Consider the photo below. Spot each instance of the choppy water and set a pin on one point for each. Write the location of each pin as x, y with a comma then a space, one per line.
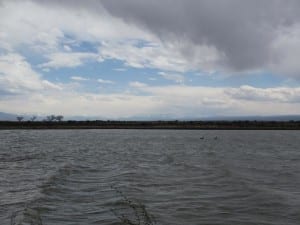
65, 177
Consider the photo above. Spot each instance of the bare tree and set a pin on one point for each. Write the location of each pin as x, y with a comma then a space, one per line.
59, 118
33, 118
51, 118
20, 118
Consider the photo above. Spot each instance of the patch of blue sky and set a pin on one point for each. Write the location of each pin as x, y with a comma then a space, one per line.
70, 43
82, 46
92, 47
31, 55
3, 51
108, 70
121, 74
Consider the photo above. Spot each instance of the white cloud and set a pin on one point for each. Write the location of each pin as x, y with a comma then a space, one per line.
79, 78
43, 26
101, 81
44, 29
159, 56
280, 94
137, 84
67, 48
175, 101
177, 78
17, 76
120, 69
52, 86
207, 101
55, 32
68, 103
47, 70
67, 59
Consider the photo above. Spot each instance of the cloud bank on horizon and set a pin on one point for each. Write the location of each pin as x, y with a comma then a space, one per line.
138, 58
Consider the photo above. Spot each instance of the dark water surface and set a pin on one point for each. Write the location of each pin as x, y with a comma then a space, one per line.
241, 177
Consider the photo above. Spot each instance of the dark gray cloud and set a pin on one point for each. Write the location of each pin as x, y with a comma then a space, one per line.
248, 34
90, 5
241, 30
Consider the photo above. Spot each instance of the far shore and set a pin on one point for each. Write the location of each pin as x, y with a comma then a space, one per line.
172, 125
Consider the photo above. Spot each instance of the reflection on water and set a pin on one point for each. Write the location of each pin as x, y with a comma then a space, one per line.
182, 177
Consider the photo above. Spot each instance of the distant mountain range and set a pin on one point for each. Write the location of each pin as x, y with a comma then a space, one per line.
13, 117
7, 116
257, 118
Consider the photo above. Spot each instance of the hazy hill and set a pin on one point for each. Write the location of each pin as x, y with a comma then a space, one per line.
7, 116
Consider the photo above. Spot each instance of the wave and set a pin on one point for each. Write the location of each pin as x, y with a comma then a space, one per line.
26, 216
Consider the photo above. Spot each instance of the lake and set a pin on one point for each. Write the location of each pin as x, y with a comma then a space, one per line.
85, 177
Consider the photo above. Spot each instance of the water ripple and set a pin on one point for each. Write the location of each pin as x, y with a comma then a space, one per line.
243, 177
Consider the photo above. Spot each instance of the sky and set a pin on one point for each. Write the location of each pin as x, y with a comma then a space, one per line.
150, 59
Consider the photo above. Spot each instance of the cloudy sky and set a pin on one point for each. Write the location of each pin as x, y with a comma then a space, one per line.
158, 58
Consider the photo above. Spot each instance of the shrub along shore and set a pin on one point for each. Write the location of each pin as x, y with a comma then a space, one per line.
184, 125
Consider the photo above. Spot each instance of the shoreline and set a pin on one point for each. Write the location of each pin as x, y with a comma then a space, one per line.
151, 125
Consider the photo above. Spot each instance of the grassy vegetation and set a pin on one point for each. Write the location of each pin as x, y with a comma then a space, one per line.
205, 125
